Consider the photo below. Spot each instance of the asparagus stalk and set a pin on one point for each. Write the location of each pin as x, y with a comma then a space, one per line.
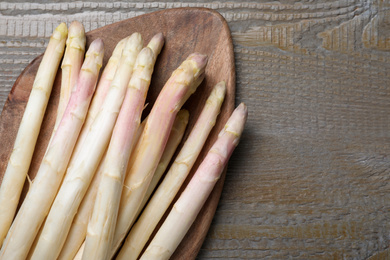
77, 236
197, 191
42, 192
30, 125
102, 223
174, 139
97, 101
101, 91
154, 138
74, 244
82, 168
71, 65
80, 221
78, 230
166, 192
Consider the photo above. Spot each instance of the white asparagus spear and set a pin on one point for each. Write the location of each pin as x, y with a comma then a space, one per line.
70, 67
97, 100
78, 229
197, 191
80, 170
42, 192
174, 139
101, 226
75, 241
167, 190
153, 140
101, 91
80, 221
20, 159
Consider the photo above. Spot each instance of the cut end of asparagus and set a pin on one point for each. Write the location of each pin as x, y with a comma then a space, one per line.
61, 32
156, 43
76, 36
95, 53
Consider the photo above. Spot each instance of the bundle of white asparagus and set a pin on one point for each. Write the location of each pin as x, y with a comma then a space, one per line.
98, 186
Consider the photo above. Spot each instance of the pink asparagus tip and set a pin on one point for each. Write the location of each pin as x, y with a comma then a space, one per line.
95, 53
158, 38
237, 120
243, 109
156, 43
97, 45
200, 59
75, 29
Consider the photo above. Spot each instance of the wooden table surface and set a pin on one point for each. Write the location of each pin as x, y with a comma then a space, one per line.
310, 178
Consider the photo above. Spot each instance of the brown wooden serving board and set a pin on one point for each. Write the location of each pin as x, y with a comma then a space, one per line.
186, 30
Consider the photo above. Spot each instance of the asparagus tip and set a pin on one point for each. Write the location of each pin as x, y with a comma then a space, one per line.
156, 43
62, 29
239, 115
200, 59
76, 38
97, 45
243, 109
134, 42
135, 37
95, 50
221, 83
145, 57
159, 36
117, 52
220, 89
75, 29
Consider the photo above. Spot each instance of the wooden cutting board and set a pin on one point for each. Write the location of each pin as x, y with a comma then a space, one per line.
186, 30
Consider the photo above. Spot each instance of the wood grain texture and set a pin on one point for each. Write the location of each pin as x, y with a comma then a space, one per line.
310, 178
